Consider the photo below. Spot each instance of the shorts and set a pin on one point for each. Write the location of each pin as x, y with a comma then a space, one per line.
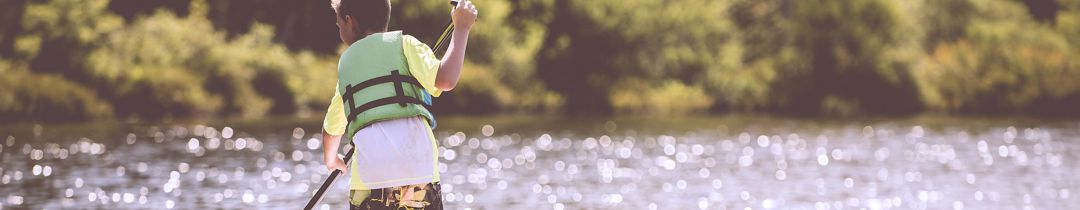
419, 196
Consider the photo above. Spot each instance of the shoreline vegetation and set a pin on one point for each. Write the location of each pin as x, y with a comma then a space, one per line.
72, 60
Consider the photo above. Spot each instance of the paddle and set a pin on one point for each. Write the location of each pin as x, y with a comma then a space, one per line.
440, 45
326, 184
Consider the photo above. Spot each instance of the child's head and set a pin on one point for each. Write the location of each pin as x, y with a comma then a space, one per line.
358, 18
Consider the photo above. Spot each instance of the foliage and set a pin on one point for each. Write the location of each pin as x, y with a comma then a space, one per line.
1006, 64
147, 59
26, 95
163, 65
666, 98
591, 45
837, 53
194, 70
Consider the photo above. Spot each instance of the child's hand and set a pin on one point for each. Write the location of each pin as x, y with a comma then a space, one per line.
464, 14
335, 163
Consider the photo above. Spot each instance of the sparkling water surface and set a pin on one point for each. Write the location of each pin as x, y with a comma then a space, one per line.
518, 163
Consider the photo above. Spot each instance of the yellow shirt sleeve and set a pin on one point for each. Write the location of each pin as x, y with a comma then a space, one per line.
422, 63
334, 123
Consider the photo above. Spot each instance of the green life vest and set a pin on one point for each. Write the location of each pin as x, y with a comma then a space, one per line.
376, 85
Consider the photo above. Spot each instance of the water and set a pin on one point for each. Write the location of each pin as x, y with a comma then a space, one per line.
531, 162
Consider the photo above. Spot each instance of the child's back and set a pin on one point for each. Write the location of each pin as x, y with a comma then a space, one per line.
385, 84
387, 110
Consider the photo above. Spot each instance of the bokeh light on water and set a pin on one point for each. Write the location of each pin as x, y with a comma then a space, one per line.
484, 166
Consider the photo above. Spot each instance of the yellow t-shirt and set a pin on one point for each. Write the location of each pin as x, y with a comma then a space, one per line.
422, 64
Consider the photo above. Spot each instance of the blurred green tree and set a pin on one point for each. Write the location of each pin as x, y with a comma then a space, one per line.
1007, 63
848, 57
593, 48
155, 59
25, 95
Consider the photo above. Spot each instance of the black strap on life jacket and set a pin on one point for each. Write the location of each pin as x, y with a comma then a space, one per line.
399, 98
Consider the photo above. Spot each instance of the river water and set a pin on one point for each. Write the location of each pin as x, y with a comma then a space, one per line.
543, 162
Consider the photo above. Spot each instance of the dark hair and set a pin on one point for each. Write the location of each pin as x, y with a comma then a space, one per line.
370, 15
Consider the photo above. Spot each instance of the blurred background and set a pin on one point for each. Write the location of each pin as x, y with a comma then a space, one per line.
563, 104
152, 60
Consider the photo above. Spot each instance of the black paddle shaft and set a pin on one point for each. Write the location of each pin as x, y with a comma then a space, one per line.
326, 184
441, 44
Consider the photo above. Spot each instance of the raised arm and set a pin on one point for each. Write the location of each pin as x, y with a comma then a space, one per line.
463, 15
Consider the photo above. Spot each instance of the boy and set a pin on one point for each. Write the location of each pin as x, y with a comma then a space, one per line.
385, 84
